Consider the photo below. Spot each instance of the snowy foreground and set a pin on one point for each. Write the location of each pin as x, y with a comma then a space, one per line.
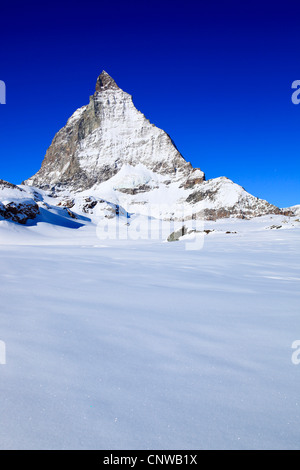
147, 345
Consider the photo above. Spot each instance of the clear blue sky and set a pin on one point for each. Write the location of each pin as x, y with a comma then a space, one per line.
215, 75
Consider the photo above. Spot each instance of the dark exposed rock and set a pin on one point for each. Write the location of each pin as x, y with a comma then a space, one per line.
198, 196
193, 179
143, 188
175, 236
69, 203
71, 214
104, 82
19, 212
287, 212
89, 205
7, 185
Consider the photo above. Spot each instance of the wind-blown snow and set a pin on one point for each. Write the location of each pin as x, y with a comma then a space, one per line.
117, 344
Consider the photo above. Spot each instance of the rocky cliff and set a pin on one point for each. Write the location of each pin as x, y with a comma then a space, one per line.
102, 137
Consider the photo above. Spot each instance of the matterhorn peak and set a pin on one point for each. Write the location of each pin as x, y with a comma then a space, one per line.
102, 137
105, 82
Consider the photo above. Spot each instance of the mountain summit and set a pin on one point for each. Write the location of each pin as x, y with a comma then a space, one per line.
105, 82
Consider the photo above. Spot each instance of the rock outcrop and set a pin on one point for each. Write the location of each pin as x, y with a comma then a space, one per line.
295, 210
15, 205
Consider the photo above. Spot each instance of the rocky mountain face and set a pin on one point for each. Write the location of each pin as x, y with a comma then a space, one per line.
102, 137
108, 151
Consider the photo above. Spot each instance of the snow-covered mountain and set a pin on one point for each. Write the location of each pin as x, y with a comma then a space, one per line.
103, 136
109, 151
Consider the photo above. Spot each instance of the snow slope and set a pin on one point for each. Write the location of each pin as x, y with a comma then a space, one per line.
140, 344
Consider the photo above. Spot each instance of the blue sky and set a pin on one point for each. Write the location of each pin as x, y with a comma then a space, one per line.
215, 75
